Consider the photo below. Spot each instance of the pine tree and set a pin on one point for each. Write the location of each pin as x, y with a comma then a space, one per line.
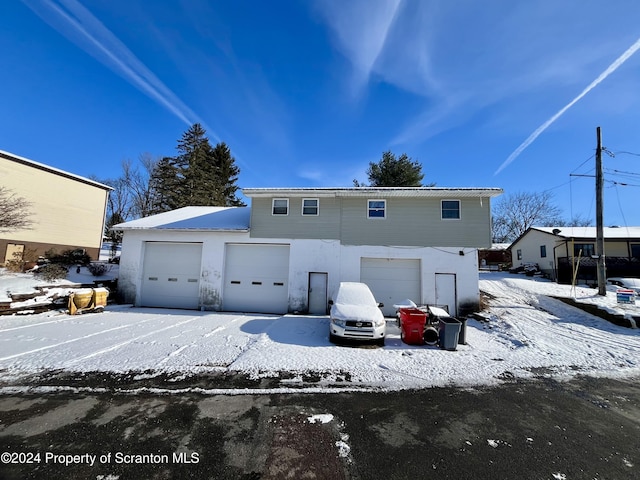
227, 174
164, 184
395, 172
198, 175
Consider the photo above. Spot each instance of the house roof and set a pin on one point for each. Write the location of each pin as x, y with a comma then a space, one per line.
590, 232
193, 218
439, 192
41, 166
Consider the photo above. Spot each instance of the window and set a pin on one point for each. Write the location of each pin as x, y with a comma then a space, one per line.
543, 251
635, 250
588, 250
310, 206
451, 209
280, 206
519, 253
376, 209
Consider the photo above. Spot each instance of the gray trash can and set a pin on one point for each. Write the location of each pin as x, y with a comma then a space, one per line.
449, 330
462, 337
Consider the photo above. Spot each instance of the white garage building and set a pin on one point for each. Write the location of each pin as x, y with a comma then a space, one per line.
288, 256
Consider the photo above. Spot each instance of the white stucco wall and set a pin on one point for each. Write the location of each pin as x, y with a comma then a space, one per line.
342, 263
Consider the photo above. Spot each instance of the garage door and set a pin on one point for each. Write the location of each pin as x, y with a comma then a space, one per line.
256, 278
171, 275
392, 280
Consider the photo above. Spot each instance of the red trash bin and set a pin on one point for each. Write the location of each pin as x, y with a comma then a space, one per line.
412, 321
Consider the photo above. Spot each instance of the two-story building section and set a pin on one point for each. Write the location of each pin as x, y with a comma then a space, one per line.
292, 247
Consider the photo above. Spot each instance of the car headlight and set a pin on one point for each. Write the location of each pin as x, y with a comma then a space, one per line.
340, 323
379, 323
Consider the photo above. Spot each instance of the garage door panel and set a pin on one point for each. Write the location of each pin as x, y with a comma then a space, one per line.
171, 275
256, 278
392, 280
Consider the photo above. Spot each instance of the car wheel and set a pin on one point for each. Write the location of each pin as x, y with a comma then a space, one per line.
333, 338
380, 342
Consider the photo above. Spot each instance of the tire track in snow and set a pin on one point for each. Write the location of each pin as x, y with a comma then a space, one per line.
60, 320
571, 325
127, 342
182, 348
90, 335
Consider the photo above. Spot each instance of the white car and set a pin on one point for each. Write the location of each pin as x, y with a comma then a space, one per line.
625, 282
356, 315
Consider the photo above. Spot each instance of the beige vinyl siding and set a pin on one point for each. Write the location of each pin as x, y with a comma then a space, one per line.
612, 248
66, 211
416, 222
325, 225
616, 249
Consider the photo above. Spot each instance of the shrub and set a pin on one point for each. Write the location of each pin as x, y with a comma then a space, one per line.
52, 271
98, 269
69, 257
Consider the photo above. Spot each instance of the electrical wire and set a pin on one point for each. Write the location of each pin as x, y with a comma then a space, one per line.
628, 153
620, 207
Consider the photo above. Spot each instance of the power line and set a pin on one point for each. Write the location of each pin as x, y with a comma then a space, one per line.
621, 172
628, 153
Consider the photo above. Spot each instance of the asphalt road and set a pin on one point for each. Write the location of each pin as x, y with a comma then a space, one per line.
584, 429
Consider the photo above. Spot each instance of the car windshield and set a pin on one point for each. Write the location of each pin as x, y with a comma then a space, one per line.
354, 294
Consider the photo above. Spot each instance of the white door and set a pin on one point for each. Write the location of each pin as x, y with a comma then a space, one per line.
318, 293
171, 275
256, 278
446, 292
392, 280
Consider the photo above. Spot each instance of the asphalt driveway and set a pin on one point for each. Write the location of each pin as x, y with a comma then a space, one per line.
584, 429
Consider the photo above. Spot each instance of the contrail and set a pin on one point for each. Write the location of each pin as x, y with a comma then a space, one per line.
91, 35
610, 69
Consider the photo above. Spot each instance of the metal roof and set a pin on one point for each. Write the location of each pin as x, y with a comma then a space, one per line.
193, 219
590, 232
434, 192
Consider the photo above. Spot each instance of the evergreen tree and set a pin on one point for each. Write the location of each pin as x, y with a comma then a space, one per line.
199, 175
227, 174
392, 171
164, 184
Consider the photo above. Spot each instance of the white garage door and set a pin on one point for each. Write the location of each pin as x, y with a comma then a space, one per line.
171, 275
391, 280
256, 278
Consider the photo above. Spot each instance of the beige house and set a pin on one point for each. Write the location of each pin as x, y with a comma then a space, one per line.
68, 211
561, 252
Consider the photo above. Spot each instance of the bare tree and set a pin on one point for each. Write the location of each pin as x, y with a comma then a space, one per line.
15, 213
515, 213
576, 221
139, 186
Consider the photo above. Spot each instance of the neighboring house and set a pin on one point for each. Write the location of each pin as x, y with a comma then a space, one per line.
293, 246
496, 257
68, 211
556, 251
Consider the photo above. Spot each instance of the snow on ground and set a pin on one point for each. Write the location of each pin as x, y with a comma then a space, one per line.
528, 334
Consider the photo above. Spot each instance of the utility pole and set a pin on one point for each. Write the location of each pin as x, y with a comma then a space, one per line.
601, 268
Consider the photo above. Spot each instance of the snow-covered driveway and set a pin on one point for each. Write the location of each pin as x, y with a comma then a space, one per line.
528, 334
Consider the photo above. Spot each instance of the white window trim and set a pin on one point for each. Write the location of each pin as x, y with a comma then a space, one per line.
384, 208
459, 209
273, 206
317, 200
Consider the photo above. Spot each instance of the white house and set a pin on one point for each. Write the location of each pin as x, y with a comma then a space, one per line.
292, 247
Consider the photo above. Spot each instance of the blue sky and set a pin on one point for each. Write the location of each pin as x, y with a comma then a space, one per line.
307, 93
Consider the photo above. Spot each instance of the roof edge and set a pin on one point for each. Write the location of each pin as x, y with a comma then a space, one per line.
364, 191
41, 166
